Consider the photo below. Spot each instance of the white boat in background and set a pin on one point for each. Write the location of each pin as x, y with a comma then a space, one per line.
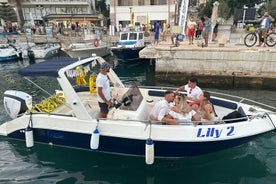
41, 51
9, 51
70, 117
85, 47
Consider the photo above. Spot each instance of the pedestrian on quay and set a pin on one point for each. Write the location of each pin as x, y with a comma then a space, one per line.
265, 22
206, 30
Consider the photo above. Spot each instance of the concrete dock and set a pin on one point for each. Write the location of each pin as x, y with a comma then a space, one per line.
228, 64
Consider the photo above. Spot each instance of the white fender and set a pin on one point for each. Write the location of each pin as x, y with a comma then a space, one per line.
149, 151
95, 139
29, 137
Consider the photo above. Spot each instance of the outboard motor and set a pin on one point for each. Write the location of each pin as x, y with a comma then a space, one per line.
31, 55
16, 102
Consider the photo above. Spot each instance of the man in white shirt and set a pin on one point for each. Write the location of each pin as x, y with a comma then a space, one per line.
160, 111
103, 90
193, 93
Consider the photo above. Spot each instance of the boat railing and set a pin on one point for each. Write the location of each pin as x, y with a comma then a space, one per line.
235, 98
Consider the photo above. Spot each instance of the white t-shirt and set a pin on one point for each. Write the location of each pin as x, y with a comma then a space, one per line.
103, 81
160, 109
193, 92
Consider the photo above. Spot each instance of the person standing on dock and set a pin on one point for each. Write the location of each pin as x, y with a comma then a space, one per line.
157, 33
265, 20
206, 30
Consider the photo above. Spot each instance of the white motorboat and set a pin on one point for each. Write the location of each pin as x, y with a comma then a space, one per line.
69, 117
10, 52
86, 47
41, 51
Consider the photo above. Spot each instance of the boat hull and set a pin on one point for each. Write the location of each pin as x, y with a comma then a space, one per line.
127, 54
87, 52
133, 147
9, 58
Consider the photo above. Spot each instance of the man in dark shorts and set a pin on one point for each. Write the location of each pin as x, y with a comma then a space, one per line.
103, 90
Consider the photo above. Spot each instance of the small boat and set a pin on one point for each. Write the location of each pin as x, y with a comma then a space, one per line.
86, 47
10, 52
70, 116
41, 51
129, 45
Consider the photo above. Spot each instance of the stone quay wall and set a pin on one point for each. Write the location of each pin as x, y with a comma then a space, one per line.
230, 66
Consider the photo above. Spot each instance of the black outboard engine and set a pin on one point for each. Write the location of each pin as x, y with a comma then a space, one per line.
31, 54
16, 102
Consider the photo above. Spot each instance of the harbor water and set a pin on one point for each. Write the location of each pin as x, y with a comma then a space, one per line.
250, 163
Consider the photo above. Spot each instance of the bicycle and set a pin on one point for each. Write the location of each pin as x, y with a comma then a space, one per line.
251, 38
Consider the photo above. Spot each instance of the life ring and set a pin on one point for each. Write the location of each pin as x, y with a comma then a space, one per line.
96, 42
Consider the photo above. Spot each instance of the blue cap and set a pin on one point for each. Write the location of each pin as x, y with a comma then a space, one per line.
105, 66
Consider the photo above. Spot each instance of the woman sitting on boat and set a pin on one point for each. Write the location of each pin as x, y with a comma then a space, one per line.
206, 111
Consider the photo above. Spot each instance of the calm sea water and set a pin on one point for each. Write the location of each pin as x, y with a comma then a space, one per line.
251, 163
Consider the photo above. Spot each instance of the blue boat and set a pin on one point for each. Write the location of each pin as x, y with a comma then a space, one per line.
129, 46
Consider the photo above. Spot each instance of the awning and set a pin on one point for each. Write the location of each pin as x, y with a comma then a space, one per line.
47, 68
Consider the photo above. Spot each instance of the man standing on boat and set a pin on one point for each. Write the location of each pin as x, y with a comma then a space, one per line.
103, 90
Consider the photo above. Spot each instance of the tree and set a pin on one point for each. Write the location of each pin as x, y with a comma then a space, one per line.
7, 13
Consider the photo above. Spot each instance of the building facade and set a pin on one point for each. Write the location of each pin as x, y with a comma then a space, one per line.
122, 12
81, 11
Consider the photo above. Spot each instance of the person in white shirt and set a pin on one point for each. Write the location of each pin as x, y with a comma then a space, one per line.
160, 111
103, 90
265, 21
193, 93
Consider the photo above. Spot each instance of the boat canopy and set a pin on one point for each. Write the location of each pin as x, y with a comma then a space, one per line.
47, 68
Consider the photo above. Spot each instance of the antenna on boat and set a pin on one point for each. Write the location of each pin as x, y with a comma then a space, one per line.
149, 148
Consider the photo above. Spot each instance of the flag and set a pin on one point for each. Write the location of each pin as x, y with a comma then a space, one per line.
147, 23
183, 14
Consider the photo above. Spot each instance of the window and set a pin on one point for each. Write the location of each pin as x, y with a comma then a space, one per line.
125, 2
141, 2
158, 2
124, 36
141, 35
133, 36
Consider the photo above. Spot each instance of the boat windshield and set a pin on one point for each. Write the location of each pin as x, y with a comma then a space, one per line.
124, 36
132, 36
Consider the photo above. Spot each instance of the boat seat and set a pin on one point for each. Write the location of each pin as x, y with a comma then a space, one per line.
235, 116
156, 93
222, 103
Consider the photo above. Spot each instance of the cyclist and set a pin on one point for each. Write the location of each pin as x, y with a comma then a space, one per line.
265, 21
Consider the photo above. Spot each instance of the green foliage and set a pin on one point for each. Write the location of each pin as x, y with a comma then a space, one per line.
270, 6
7, 13
227, 7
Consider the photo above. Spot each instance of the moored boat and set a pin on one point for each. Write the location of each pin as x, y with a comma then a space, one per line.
129, 45
70, 116
41, 51
10, 52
